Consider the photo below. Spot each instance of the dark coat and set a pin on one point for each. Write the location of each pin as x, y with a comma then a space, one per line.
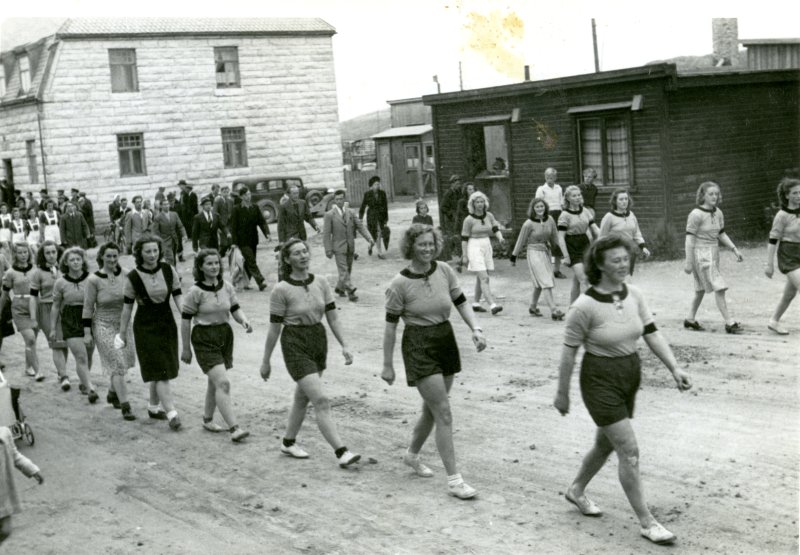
74, 230
292, 216
244, 225
204, 233
378, 207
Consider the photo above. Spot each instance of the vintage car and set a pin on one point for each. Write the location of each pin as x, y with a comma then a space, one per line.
267, 191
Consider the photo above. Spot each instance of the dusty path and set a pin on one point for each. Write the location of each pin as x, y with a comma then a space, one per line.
720, 463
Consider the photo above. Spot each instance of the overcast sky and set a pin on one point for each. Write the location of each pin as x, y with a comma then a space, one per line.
387, 50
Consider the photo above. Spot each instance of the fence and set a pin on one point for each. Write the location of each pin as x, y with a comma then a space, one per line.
356, 183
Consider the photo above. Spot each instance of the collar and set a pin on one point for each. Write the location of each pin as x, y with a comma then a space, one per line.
23, 269
338, 210
211, 288
102, 274
481, 218
151, 272
300, 282
578, 211
621, 214
788, 210
710, 211
407, 273
537, 219
607, 297
74, 280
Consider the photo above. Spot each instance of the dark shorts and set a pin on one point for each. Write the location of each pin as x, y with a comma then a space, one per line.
577, 245
429, 350
71, 321
213, 346
556, 249
788, 257
305, 349
609, 386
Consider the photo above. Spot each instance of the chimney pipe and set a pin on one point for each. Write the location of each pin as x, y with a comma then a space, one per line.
527, 73
725, 39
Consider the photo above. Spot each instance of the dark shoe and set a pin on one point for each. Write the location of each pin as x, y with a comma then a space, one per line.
534, 312
262, 286
736, 327
557, 314
180, 258
382, 256
175, 423
559, 275
340, 292
478, 308
93, 397
693, 325
369, 250
157, 415
82, 389
127, 413
496, 310
351, 295
112, 399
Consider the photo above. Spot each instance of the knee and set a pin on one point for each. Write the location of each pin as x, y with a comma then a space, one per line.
629, 454
224, 385
322, 404
442, 414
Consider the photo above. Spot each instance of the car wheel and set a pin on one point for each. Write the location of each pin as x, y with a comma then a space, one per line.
313, 198
270, 212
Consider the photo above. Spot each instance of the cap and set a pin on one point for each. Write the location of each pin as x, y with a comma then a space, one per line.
455, 177
207, 198
182, 182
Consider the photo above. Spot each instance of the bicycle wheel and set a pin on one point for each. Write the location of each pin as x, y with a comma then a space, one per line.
27, 433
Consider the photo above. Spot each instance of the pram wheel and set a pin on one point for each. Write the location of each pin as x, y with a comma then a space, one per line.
27, 434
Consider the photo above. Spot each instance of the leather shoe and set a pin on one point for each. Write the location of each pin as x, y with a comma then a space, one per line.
657, 534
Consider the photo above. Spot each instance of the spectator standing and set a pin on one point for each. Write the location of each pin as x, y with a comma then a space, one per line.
376, 206
223, 206
73, 227
205, 227
189, 207
137, 223
167, 225
246, 220
339, 237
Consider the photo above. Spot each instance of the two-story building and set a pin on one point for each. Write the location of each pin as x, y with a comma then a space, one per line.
127, 105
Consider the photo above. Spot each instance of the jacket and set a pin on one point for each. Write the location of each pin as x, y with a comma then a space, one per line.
74, 230
204, 233
339, 231
292, 216
244, 225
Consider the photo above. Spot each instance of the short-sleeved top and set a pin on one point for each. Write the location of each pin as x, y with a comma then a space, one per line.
70, 291
300, 302
208, 305
42, 282
706, 225
786, 226
18, 280
553, 196
622, 223
536, 232
154, 283
423, 299
104, 293
606, 324
475, 227
575, 222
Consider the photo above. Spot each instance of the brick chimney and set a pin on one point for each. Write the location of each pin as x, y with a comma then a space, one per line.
725, 36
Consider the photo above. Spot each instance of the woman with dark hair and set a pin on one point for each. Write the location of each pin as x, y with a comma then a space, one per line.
296, 307
5, 229
784, 237
50, 219
476, 246
69, 291
608, 320
622, 221
150, 285
19, 227
422, 295
539, 237
576, 229
17, 291
102, 308
43, 280
705, 230
422, 216
209, 302
34, 236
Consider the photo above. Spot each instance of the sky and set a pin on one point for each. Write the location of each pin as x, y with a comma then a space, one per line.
387, 50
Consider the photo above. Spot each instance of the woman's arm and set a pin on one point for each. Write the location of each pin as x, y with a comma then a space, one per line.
273, 334
564, 377
55, 310
689, 248
333, 323
186, 334
769, 269
726, 241
465, 310
33, 307
594, 231
389, 339
240, 317
562, 244
521, 241
662, 350
124, 320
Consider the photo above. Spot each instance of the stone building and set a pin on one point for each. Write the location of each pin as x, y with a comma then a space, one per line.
127, 105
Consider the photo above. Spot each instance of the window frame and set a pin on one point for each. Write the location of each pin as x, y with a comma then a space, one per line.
24, 75
229, 157
414, 167
33, 163
219, 57
132, 66
603, 172
128, 152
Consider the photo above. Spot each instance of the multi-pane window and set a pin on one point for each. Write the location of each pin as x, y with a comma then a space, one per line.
124, 77
234, 147
24, 74
429, 161
605, 145
226, 61
412, 157
33, 168
131, 154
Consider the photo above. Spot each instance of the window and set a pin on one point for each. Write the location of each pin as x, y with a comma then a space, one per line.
412, 157
131, 155
605, 145
429, 163
234, 147
486, 141
226, 60
123, 70
33, 168
24, 74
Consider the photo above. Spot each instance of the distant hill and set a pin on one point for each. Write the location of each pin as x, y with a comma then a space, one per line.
364, 126
705, 62
16, 31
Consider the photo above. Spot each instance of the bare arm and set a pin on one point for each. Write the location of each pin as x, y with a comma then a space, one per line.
726, 241
272, 339
769, 269
333, 323
562, 244
55, 310
240, 317
689, 248
565, 368
389, 339
124, 320
465, 310
662, 350
186, 334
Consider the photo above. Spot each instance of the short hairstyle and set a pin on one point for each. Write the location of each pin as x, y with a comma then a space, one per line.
701, 192
41, 262
374, 179
135, 197
339, 193
200, 258
615, 195
410, 236
567, 192
534, 202
48, 202
141, 242
786, 185
16, 209
590, 171
475, 196
35, 211
20, 245
420, 203
63, 265
286, 249
550, 171
595, 254
111, 245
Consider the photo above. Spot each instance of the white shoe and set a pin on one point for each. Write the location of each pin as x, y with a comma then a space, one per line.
294, 451
657, 534
212, 426
419, 468
462, 490
777, 328
348, 458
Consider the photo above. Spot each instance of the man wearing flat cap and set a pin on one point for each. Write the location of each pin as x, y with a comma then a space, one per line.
205, 227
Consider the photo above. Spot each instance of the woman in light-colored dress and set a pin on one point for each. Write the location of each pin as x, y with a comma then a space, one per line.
50, 220
16, 290
34, 237
784, 238
476, 246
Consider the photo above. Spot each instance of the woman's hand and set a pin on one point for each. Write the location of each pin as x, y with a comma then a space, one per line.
39, 478
565, 260
87, 340
739, 257
646, 252
247, 327
561, 403
687, 267
348, 356
186, 355
388, 374
52, 335
682, 379
478, 339
265, 370
769, 270
464, 259
119, 343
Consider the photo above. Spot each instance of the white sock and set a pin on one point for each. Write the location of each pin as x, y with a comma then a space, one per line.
411, 455
172, 414
154, 408
455, 479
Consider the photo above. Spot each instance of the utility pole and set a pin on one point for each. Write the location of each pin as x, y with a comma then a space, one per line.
460, 77
594, 43
438, 86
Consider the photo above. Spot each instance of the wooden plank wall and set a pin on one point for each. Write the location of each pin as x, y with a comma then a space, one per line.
356, 183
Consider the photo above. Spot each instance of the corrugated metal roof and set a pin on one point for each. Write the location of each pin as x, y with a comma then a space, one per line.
82, 27
407, 131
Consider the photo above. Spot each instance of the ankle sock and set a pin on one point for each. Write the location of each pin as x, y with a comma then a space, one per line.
172, 414
154, 408
207, 419
288, 442
455, 479
233, 428
340, 451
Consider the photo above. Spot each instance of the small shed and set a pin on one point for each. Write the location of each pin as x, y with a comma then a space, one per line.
408, 151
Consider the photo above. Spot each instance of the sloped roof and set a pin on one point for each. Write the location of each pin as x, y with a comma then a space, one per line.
38, 54
161, 26
407, 131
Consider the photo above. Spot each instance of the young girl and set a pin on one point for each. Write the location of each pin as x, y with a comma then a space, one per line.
576, 229
422, 216
9, 456
705, 230
49, 219
785, 239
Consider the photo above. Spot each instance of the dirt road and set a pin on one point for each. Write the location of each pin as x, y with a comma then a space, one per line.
720, 463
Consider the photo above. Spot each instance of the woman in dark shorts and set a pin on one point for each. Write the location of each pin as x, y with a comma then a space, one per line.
422, 295
576, 229
69, 291
785, 239
210, 302
296, 307
150, 285
16, 291
608, 320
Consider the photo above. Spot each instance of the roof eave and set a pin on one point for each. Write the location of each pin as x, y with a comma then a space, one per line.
188, 34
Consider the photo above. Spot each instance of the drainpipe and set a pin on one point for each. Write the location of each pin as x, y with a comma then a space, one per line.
41, 143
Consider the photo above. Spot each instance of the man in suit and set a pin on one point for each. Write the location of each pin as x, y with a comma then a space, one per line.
292, 217
168, 226
73, 228
87, 209
339, 236
188, 201
246, 220
377, 208
205, 227
223, 207
137, 223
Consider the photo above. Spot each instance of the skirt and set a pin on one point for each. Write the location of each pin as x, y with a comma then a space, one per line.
213, 346
5, 235
115, 361
577, 245
305, 349
156, 338
540, 267
43, 318
705, 269
21, 312
609, 386
72, 321
429, 350
479, 255
53, 233
788, 256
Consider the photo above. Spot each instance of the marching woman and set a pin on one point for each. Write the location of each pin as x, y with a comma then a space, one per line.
785, 239
539, 237
16, 290
5, 229
422, 295
210, 302
49, 219
576, 229
34, 237
150, 285
69, 292
705, 230
296, 307
19, 227
622, 221
102, 308
476, 246
42, 282
608, 320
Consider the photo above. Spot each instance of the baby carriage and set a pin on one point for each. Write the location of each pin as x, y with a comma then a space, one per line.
11, 414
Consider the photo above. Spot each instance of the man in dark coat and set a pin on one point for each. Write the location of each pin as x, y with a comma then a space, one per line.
246, 220
292, 217
377, 208
73, 227
223, 206
205, 227
188, 200
87, 209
